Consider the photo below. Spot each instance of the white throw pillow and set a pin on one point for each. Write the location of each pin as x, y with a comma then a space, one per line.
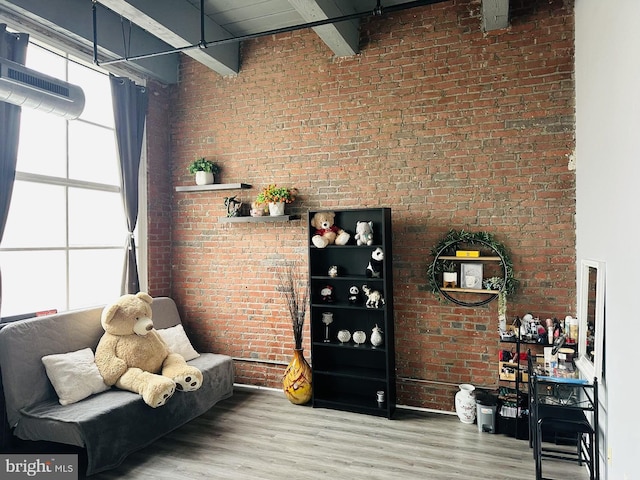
178, 342
74, 375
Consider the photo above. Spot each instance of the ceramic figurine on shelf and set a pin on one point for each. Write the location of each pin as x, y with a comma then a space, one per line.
333, 271
376, 336
374, 297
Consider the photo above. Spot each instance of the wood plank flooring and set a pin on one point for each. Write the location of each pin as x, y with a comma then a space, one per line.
259, 434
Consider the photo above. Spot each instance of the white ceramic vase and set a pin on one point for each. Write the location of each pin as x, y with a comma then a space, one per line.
204, 178
466, 403
276, 209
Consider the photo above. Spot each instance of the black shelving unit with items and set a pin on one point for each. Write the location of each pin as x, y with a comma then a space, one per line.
356, 373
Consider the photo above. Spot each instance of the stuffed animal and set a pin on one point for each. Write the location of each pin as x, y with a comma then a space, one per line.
354, 294
364, 233
374, 268
132, 356
327, 294
326, 232
374, 297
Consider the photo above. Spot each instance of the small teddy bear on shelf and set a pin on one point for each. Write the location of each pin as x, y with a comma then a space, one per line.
326, 294
326, 232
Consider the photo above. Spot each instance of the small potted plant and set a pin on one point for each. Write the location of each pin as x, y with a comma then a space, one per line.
276, 197
449, 275
205, 170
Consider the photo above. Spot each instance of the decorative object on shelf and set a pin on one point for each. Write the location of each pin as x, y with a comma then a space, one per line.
497, 284
326, 294
465, 401
471, 275
376, 336
467, 253
374, 268
204, 170
380, 398
374, 297
233, 206
327, 233
327, 319
359, 337
276, 198
344, 336
296, 381
257, 210
333, 271
354, 295
449, 275
364, 233
276, 209
450, 244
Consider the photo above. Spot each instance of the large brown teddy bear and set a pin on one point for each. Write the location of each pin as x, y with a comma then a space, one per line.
326, 232
132, 356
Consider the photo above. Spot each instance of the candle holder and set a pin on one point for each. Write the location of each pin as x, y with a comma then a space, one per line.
327, 319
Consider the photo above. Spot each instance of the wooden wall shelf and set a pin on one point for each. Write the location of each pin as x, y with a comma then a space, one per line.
213, 186
263, 219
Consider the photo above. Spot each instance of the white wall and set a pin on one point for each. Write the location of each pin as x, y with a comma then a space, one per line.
608, 203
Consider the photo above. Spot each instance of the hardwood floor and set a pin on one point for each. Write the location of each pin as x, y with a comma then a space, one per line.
258, 434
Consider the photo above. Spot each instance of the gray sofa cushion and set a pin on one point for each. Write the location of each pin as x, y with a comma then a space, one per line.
24, 343
113, 424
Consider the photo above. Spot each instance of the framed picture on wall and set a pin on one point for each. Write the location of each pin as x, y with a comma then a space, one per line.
471, 275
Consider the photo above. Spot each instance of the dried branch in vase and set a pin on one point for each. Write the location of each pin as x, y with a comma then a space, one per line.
295, 290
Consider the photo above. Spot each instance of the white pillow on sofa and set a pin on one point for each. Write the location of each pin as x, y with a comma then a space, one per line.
74, 375
178, 342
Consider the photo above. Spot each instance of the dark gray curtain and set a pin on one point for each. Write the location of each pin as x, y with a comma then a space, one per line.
12, 47
130, 111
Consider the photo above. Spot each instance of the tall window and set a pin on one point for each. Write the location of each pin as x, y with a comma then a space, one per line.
63, 246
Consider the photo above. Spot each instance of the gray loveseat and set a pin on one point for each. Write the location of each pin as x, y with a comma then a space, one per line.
109, 425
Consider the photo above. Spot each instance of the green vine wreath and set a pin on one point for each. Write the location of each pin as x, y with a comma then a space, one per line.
447, 246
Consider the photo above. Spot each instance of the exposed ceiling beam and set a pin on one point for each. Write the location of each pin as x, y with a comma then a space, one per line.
342, 38
495, 14
70, 21
180, 27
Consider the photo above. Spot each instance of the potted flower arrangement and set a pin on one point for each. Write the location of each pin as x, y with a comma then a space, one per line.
276, 197
205, 170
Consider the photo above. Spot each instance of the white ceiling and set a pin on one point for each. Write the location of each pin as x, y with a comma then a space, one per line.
150, 33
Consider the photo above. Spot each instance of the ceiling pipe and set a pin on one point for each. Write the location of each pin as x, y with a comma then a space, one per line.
377, 11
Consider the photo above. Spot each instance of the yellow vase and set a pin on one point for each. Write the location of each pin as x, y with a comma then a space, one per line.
296, 381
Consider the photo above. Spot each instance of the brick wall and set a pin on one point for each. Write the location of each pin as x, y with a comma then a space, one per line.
159, 186
448, 126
